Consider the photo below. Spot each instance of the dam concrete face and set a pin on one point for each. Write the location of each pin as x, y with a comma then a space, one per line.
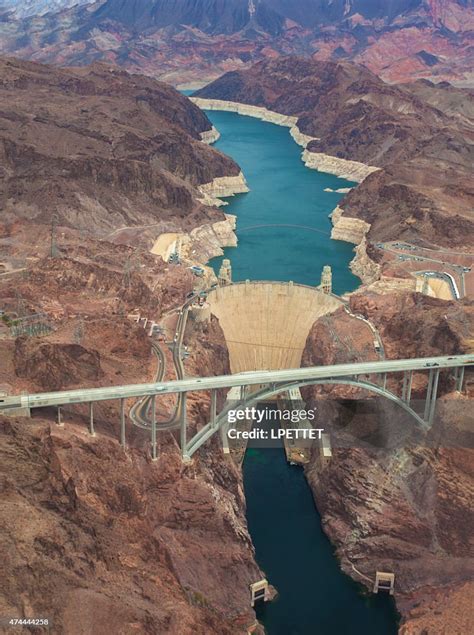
266, 324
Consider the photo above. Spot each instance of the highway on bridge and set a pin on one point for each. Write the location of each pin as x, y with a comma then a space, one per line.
89, 395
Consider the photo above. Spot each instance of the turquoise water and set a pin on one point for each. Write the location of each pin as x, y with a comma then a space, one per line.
315, 597
283, 230
282, 223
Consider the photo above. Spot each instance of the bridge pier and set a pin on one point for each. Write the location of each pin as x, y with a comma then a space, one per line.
434, 393
431, 394
429, 388
122, 423
459, 377
91, 419
153, 429
60, 421
182, 428
213, 412
406, 389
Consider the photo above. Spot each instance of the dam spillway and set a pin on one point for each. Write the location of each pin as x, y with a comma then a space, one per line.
266, 324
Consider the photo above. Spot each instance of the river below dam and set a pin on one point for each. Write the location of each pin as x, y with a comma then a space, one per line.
283, 234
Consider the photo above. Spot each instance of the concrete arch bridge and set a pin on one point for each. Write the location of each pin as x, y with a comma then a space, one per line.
265, 384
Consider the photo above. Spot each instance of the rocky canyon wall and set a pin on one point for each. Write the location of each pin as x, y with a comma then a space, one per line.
105, 539
388, 505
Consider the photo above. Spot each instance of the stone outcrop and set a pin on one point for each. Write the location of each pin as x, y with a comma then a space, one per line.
56, 366
364, 267
301, 139
345, 169
222, 187
354, 230
117, 543
210, 136
103, 150
208, 241
351, 230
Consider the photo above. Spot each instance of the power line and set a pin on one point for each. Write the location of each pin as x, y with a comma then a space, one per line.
284, 225
293, 348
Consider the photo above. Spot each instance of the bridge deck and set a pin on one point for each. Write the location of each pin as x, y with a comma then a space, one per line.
86, 395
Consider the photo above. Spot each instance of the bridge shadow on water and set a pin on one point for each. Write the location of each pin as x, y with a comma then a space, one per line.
315, 596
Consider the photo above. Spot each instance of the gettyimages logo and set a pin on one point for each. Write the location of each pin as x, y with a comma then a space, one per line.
259, 415
373, 423
269, 426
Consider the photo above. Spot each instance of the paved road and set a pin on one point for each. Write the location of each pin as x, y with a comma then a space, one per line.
87, 395
446, 277
411, 253
139, 411
375, 333
140, 414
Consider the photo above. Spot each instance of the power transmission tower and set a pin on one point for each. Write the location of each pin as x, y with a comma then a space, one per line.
54, 223
127, 269
79, 332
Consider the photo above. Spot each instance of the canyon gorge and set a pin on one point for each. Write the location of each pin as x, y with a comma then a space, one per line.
97, 164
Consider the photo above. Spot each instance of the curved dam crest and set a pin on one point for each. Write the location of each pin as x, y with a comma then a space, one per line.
266, 324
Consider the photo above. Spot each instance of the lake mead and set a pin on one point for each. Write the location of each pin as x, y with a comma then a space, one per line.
283, 224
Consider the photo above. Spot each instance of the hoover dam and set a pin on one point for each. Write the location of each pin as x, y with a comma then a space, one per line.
266, 323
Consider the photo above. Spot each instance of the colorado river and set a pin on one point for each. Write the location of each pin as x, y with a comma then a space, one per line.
283, 230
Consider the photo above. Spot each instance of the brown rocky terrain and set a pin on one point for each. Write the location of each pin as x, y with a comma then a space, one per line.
189, 41
119, 542
98, 538
101, 149
406, 508
415, 325
421, 139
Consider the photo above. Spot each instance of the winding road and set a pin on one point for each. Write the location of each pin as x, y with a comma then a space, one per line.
140, 413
